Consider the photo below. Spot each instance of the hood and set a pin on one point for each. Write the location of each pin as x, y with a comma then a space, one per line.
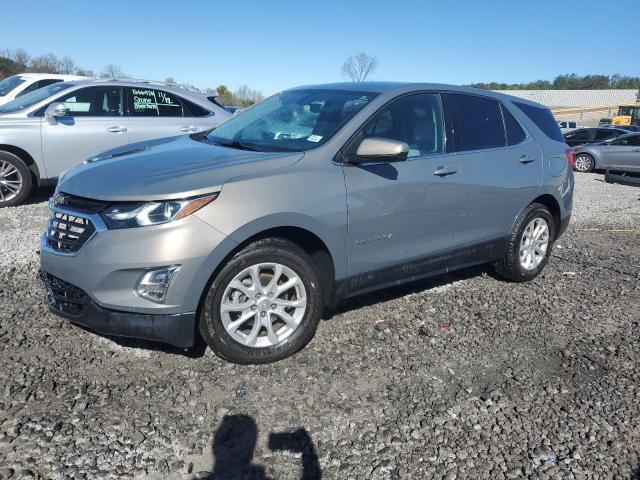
168, 168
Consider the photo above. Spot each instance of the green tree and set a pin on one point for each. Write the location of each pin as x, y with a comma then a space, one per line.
8, 67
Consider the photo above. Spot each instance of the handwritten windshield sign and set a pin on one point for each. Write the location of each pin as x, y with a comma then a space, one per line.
155, 102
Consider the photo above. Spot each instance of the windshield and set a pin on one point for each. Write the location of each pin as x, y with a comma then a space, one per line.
30, 99
629, 110
295, 120
9, 84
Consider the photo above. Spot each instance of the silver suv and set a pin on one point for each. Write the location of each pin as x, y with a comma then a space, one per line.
246, 234
47, 131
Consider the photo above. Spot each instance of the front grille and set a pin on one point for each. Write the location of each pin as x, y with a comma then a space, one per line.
67, 232
81, 204
64, 297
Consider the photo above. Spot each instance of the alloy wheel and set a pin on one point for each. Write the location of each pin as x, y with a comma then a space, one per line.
583, 163
10, 181
263, 305
534, 243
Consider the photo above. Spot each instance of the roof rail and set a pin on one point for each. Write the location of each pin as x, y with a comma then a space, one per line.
189, 88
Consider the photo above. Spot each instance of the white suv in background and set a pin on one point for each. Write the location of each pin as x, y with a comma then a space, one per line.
49, 130
18, 85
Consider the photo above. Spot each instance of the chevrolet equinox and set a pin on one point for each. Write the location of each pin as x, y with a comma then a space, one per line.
245, 234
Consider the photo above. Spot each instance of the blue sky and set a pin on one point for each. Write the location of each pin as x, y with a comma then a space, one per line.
274, 45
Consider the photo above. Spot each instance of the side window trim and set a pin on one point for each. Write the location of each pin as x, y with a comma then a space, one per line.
356, 138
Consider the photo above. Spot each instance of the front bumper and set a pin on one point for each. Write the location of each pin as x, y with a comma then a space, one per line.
74, 304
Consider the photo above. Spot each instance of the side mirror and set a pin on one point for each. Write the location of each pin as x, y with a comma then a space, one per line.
377, 149
56, 109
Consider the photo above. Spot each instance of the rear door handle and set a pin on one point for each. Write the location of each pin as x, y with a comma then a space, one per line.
117, 129
526, 159
444, 171
188, 128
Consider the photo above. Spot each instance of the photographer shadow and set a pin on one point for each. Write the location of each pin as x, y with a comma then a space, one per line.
234, 444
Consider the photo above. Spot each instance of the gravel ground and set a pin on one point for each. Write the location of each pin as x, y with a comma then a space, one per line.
465, 376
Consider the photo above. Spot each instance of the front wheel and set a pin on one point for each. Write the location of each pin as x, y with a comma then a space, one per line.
529, 246
264, 305
15, 180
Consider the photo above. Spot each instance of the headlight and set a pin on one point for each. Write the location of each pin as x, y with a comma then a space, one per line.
129, 215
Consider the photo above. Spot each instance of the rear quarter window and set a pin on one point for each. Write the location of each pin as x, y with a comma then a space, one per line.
515, 134
194, 110
543, 118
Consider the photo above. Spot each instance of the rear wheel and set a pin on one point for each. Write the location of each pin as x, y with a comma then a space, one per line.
15, 180
264, 305
530, 245
584, 162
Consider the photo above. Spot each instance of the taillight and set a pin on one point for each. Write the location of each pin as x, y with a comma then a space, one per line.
571, 157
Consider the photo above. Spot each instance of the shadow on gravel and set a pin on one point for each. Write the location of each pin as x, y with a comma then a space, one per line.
39, 195
197, 351
392, 293
233, 448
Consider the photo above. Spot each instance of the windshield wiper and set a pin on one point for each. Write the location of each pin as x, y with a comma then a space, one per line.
238, 145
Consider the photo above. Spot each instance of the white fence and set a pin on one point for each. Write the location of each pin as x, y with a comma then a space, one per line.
576, 98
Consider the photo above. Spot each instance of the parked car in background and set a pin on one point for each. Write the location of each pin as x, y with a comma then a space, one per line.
568, 126
19, 85
628, 128
623, 151
246, 235
47, 131
584, 136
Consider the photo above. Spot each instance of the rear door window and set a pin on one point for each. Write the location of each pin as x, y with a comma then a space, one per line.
543, 118
149, 102
480, 123
94, 102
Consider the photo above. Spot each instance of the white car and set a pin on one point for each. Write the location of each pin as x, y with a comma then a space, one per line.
568, 126
18, 85
53, 128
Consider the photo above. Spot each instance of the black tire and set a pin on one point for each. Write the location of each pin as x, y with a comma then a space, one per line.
24, 175
267, 250
587, 158
510, 267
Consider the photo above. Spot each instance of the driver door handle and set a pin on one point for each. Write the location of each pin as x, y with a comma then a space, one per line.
117, 129
444, 171
526, 159
188, 128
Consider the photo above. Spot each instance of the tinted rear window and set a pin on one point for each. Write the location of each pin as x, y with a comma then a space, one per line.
544, 120
515, 134
480, 122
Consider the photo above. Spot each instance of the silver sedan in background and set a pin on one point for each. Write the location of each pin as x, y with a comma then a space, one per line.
623, 151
